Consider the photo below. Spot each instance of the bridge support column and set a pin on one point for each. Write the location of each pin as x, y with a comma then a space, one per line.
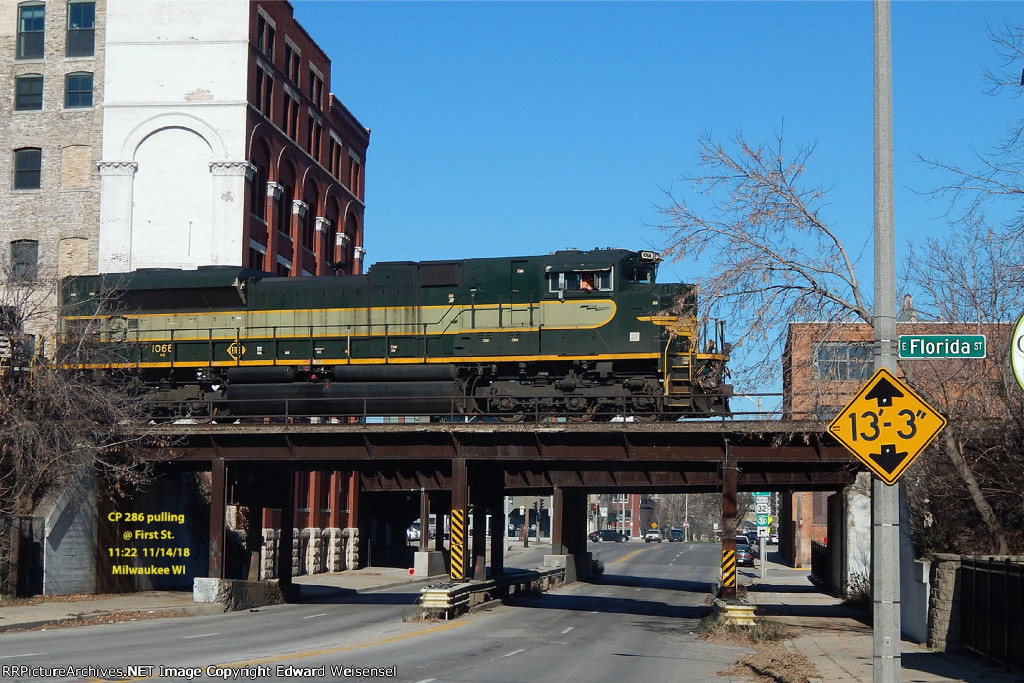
460, 501
558, 519
478, 493
569, 533
254, 541
496, 506
424, 521
730, 483
284, 547
218, 501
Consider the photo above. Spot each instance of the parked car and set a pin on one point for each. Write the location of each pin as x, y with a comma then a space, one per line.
744, 554
413, 533
611, 535
773, 539
652, 536
676, 535
751, 537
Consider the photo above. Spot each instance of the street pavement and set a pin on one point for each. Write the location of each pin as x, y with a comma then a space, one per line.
833, 636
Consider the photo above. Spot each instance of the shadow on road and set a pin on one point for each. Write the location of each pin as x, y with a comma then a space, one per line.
662, 584
610, 605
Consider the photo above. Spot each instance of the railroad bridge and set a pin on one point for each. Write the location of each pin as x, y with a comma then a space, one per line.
468, 468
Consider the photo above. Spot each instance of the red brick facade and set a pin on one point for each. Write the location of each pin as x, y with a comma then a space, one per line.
305, 201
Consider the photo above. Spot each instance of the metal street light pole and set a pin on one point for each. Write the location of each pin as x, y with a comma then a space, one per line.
885, 566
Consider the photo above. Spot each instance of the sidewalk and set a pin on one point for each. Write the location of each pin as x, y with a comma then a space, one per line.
837, 639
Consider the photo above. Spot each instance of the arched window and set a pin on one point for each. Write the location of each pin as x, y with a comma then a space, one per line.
78, 90
28, 164
258, 193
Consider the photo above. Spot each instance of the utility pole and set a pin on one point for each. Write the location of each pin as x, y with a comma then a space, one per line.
885, 530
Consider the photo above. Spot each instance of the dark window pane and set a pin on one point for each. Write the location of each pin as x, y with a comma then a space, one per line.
78, 91
31, 19
27, 165
24, 258
28, 92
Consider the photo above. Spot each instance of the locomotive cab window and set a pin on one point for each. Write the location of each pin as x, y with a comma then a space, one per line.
581, 281
638, 273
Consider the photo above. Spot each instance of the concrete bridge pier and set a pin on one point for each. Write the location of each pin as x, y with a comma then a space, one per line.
569, 533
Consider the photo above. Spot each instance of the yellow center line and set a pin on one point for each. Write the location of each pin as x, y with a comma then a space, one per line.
308, 653
626, 557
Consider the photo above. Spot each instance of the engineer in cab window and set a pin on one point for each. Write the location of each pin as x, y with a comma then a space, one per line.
587, 283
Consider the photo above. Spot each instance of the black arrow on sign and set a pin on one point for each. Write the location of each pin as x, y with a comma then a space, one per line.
889, 459
884, 392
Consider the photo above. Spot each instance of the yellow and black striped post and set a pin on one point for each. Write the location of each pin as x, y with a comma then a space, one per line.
458, 545
728, 569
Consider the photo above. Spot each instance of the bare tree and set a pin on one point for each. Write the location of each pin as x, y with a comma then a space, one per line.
973, 275
773, 257
775, 260
998, 173
57, 423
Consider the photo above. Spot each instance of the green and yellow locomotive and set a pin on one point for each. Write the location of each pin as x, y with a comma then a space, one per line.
573, 333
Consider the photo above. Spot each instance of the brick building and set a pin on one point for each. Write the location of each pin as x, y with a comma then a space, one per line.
174, 134
52, 60
825, 364
230, 147
181, 133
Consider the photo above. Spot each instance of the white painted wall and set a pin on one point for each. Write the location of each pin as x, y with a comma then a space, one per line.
174, 103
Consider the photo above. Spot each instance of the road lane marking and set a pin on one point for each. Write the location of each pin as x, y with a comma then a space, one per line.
31, 654
204, 635
427, 680
626, 557
566, 630
314, 616
515, 652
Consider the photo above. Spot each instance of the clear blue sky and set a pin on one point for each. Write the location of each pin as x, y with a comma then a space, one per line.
506, 128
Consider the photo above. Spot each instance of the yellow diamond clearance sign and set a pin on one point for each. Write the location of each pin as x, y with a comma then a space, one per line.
887, 425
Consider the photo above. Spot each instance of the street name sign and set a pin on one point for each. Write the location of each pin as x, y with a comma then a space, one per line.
920, 346
887, 425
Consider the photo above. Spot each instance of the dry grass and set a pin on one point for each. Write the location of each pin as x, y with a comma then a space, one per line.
772, 661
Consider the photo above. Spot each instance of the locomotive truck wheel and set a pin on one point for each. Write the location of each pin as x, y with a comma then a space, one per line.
586, 416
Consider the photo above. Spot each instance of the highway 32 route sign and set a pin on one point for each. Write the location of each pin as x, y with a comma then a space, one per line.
886, 425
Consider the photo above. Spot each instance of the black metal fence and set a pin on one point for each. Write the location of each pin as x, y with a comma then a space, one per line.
821, 573
992, 608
